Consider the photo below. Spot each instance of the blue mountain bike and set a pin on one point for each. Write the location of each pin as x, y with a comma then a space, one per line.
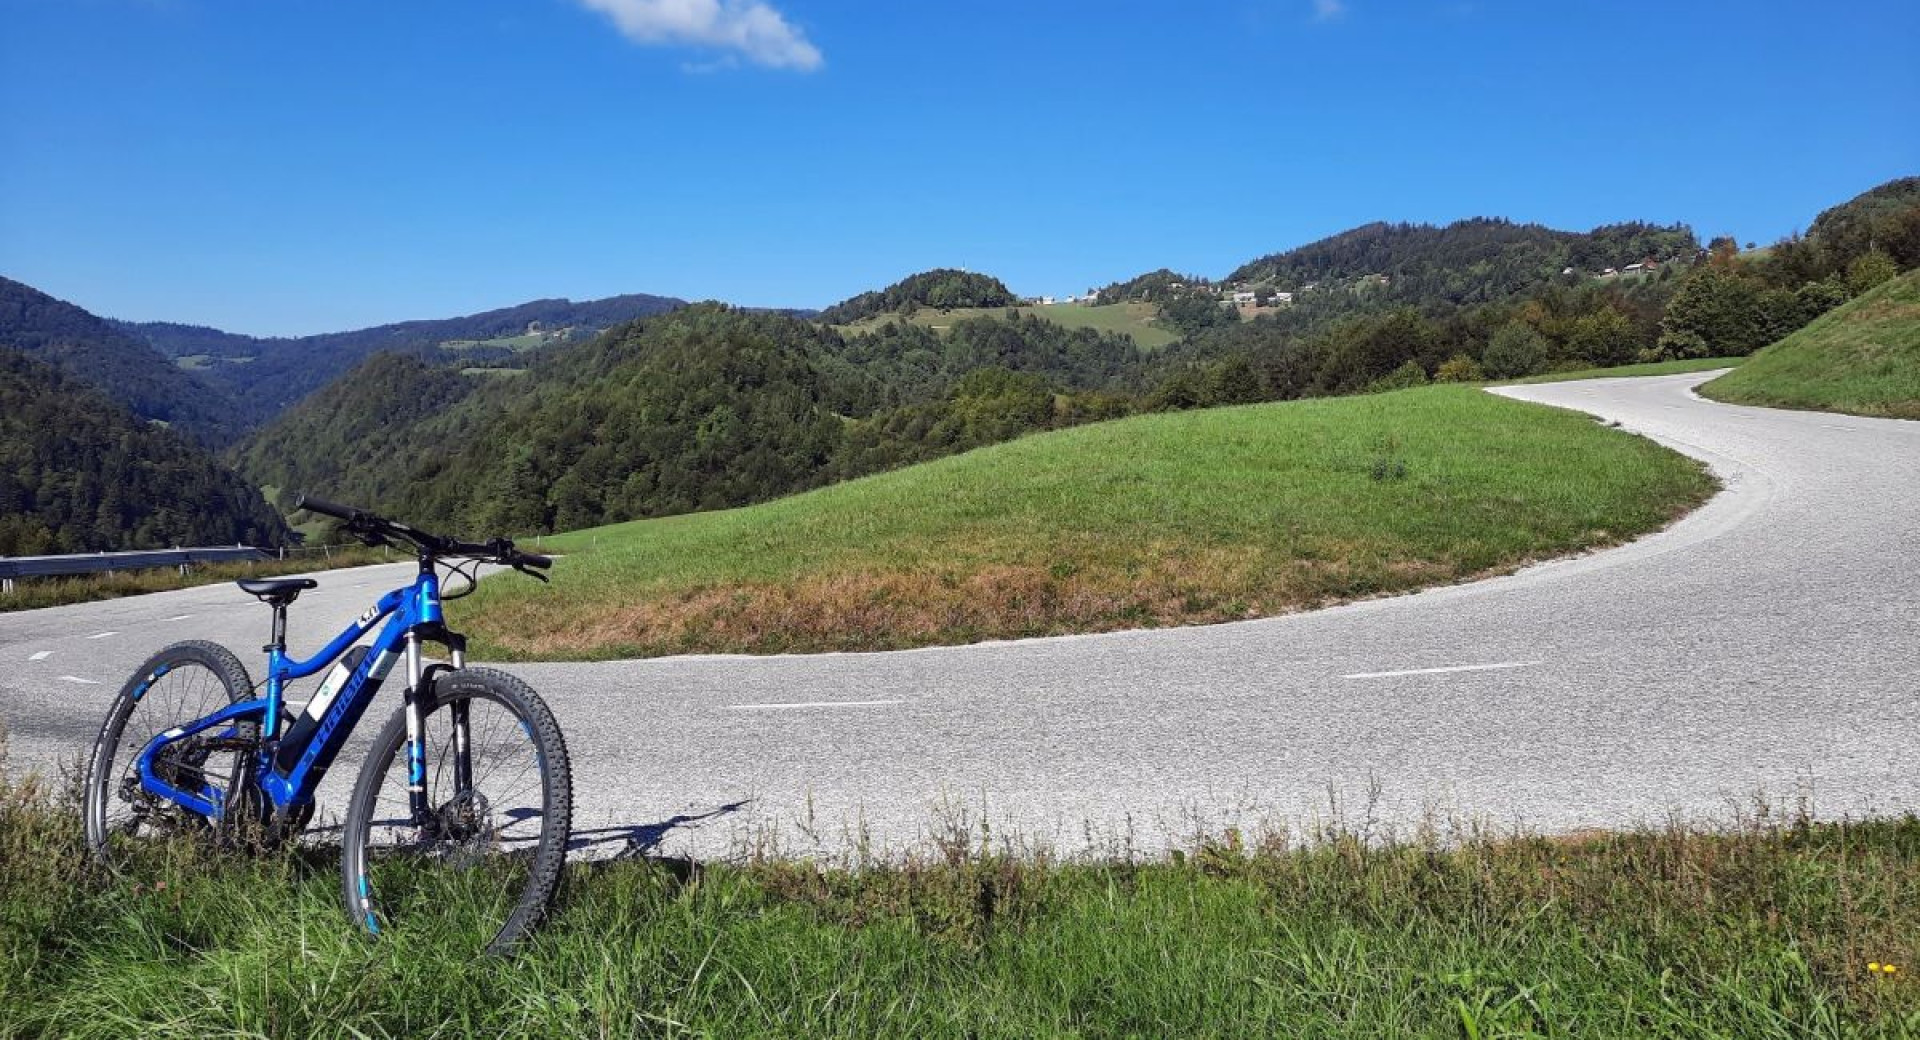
462, 808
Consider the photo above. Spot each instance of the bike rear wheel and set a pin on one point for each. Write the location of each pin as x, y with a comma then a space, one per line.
180, 684
487, 856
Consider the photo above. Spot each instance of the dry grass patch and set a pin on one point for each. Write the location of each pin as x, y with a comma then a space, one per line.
34, 593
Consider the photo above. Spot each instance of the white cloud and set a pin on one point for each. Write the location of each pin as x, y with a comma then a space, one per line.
1328, 10
750, 27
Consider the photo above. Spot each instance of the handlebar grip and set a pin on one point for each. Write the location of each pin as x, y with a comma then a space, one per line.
326, 508
535, 560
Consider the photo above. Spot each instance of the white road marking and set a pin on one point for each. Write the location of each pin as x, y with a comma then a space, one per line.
77, 679
811, 704
102, 635
41, 656
1443, 671
1830, 426
179, 617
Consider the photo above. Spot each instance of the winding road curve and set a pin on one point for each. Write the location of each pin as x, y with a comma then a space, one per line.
1766, 646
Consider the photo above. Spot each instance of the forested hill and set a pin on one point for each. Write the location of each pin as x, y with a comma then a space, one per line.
1152, 287
266, 376
1469, 261
1885, 219
1414, 315
80, 473
701, 408
709, 406
943, 289
121, 366
177, 341
361, 424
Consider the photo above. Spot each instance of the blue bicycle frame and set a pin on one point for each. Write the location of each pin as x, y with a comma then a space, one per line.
414, 616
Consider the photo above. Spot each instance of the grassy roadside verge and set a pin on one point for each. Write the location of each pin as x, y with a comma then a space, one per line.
1652, 368
1862, 358
32, 593
1167, 519
1762, 931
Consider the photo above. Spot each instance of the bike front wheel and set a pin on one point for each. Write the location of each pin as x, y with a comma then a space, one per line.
485, 854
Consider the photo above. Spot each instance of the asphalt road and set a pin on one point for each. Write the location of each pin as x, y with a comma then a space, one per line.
1766, 647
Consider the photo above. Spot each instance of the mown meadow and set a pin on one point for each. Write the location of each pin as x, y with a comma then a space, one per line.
1170, 519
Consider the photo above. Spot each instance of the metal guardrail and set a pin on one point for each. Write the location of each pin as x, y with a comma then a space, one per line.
12, 567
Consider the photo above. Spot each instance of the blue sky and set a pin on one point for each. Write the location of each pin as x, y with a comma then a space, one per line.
295, 166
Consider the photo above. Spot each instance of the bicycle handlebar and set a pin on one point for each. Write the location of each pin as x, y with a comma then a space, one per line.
367, 525
324, 507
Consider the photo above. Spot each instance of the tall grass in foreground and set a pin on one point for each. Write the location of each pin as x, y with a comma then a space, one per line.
1764, 930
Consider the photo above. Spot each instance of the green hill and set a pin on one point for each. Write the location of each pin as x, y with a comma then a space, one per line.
80, 473
704, 408
1156, 520
1885, 218
119, 365
1862, 357
1138, 320
369, 423
712, 407
943, 288
1468, 261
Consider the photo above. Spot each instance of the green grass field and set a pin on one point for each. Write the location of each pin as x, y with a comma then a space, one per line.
197, 362
1132, 319
514, 343
1158, 520
1776, 930
1862, 358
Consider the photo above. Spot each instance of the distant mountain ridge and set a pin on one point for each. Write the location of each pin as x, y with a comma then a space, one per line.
265, 376
1468, 261
123, 367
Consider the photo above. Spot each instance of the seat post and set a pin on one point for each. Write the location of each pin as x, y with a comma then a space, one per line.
277, 593
279, 629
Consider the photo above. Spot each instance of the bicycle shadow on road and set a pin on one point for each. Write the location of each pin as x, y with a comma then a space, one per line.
643, 840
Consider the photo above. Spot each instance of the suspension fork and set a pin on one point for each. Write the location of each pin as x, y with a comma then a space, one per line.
415, 703
462, 748
459, 711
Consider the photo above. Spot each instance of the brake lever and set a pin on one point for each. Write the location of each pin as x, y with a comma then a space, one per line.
529, 572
